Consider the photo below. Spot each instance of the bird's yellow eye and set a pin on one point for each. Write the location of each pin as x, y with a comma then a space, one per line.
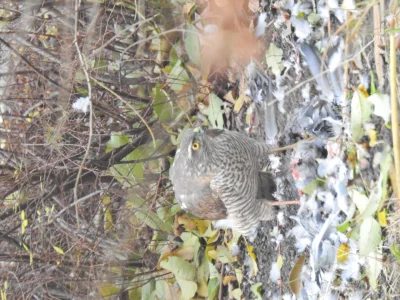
196, 146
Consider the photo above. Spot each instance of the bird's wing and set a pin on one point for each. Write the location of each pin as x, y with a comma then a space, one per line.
196, 196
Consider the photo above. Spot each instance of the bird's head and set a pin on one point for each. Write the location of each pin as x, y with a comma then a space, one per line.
197, 144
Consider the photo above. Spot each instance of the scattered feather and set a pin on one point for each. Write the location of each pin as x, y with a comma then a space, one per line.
81, 104
261, 25
381, 104
275, 273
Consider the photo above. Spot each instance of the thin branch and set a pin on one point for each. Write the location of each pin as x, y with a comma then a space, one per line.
38, 50
76, 202
84, 68
37, 71
129, 105
395, 112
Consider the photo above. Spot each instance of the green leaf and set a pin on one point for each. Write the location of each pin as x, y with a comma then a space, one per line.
372, 85
360, 200
178, 77
395, 250
224, 255
163, 106
374, 267
117, 140
313, 185
82, 91
360, 114
108, 289
236, 294
133, 173
343, 227
273, 57
386, 162
165, 109
370, 236
143, 213
394, 30
192, 45
164, 290
203, 273
98, 65
148, 290
256, 290
213, 288
135, 294
214, 112
173, 55
313, 18
373, 200
185, 274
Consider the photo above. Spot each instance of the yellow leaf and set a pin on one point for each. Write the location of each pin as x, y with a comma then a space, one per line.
228, 279
239, 103
279, 261
202, 225
212, 254
188, 223
382, 218
253, 257
213, 237
186, 253
24, 224
372, 137
342, 253
58, 250
363, 91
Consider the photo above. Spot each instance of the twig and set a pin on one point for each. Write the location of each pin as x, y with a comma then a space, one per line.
290, 147
127, 104
76, 202
84, 68
42, 52
377, 49
282, 203
155, 36
37, 71
221, 283
395, 112
119, 34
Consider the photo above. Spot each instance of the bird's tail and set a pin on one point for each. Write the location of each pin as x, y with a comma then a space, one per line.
266, 189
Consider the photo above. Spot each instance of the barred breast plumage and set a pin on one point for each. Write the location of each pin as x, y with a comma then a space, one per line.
216, 176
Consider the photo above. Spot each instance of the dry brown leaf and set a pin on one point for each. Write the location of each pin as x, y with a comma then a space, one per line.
294, 277
229, 97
